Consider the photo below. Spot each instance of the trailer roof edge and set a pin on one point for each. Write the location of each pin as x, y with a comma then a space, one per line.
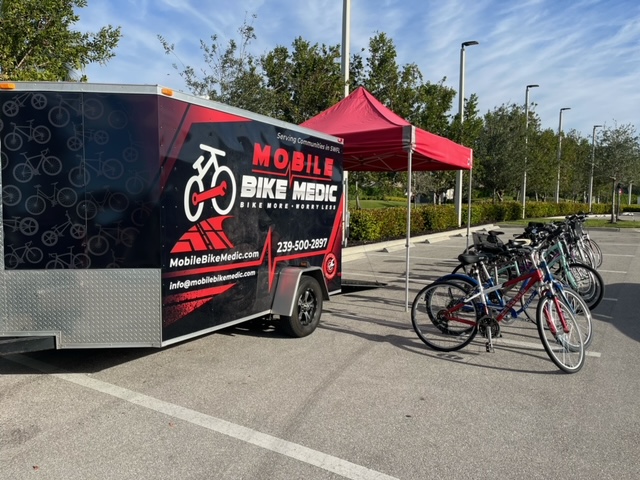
144, 89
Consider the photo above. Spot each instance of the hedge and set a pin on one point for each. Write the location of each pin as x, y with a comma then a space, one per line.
379, 224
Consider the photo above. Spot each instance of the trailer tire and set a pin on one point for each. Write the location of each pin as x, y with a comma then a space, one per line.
307, 309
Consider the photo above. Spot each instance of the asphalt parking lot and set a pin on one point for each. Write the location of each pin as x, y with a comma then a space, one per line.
361, 398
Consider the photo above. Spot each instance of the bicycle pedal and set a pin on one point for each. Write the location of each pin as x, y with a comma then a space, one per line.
489, 347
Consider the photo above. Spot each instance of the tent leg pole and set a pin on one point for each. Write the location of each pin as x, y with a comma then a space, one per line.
469, 207
408, 244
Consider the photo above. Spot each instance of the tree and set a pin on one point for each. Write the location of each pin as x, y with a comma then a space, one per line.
542, 163
305, 81
500, 150
231, 74
37, 42
618, 157
575, 167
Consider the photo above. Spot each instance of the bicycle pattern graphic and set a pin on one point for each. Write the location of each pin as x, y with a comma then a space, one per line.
24, 254
80, 134
110, 168
49, 164
100, 243
86, 206
36, 204
39, 134
12, 107
27, 226
60, 115
76, 230
68, 260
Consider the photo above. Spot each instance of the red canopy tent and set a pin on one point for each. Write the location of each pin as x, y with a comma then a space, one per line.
376, 139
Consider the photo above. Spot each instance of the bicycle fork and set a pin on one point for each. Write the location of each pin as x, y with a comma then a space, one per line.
559, 334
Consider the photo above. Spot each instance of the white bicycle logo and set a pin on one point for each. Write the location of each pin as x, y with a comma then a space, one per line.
194, 200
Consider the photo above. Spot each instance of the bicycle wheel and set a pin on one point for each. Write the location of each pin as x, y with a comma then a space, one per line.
67, 197
34, 255
35, 205
23, 172
440, 317
86, 209
81, 260
79, 176
586, 281
565, 348
59, 116
52, 166
98, 245
596, 251
11, 195
11, 261
582, 314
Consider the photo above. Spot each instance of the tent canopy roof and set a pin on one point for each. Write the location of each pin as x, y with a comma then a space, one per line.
376, 139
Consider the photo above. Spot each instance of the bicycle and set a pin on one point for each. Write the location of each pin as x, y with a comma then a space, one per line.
99, 244
447, 315
25, 225
88, 208
140, 214
23, 254
68, 261
13, 106
131, 153
36, 204
137, 182
110, 168
589, 248
197, 198
11, 195
580, 277
39, 134
76, 230
59, 116
50, 164
506, 264
76, 141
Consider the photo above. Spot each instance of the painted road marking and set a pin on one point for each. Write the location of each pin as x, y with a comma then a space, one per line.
293, 450
537, 346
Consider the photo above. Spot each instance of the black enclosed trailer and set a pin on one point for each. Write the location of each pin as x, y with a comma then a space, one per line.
139, 216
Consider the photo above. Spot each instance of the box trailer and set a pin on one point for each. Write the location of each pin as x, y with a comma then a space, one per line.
137, 216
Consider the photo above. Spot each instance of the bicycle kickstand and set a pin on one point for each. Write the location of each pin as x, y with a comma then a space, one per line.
489, 344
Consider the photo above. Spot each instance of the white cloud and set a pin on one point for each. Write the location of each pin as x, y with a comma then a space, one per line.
582, 53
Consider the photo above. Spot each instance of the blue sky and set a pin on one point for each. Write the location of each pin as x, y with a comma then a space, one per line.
584, 54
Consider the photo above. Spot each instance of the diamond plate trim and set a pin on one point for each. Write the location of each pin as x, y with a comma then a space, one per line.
119, 307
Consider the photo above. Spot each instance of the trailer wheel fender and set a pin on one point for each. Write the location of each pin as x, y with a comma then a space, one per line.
298, 301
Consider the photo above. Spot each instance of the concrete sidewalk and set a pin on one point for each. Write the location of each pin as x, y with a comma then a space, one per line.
360, 251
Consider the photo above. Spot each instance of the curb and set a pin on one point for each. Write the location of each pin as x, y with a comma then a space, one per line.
360, 251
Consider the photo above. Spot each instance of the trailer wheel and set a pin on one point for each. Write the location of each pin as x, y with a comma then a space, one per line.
306, 309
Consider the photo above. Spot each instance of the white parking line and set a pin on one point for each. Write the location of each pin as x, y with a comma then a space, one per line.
293, 450
537, 346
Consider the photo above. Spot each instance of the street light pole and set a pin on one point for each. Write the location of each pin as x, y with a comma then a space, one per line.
593, 162
526, 147
458, 190
560, 152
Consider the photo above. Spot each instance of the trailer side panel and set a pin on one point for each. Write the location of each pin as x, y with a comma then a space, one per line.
240, 199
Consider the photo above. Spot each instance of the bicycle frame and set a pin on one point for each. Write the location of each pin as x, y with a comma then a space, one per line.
532, 279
